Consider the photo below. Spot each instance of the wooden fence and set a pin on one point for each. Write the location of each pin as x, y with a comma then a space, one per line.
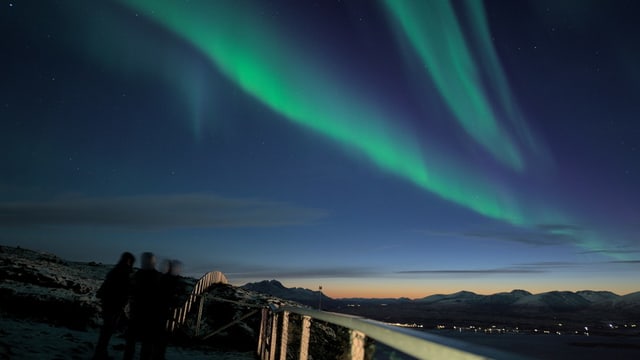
180, 314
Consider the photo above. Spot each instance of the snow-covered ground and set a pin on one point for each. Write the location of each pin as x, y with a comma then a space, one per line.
20, 339
48, 310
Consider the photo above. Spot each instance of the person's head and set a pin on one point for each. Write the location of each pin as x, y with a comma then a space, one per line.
176, 267
148, 261
127, 259
165, 266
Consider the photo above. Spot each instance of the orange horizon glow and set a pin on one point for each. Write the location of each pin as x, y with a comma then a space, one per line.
341, 288
410, 294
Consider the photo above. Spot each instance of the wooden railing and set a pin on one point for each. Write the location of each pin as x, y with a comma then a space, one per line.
180, 314
273, 344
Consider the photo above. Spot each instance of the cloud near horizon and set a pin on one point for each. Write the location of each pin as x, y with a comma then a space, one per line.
536, 235
472, 272
631, 262
610, 251
156, 212
314, 273
263, 273
253, 272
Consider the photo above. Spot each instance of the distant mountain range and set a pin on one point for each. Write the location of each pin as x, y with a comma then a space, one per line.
518, 298
552, 299
517, 308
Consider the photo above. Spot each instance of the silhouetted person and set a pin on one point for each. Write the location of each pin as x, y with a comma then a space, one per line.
113, 293
144, 324
171, 290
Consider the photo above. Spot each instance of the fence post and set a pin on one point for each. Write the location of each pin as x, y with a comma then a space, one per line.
180, 315
357, 344
199, 315
304, 337
172, 321
262, 333
284, 338
274, 336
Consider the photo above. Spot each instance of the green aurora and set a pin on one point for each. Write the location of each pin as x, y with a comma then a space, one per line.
265, 64
437, 37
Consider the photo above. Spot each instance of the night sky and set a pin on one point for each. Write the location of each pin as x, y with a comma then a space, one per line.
374, 148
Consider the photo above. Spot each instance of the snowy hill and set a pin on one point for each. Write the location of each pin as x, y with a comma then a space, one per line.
506, 298
461, 297
557, 300
597, 296
629, 298
42, 286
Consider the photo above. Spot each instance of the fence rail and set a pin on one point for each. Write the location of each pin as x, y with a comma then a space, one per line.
417, 344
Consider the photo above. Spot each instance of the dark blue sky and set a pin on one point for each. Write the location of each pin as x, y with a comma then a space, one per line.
377, 148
